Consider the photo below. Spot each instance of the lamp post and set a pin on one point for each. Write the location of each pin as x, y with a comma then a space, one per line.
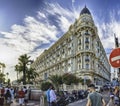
84, 82
117, 45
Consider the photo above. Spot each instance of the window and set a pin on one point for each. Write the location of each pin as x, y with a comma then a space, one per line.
45, 76
87, 66
86, 32
86, 40
86, 47
87, 58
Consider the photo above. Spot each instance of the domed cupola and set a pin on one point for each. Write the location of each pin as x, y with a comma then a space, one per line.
85, 10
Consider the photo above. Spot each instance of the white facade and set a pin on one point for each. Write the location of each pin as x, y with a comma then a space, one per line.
1, 68
78, 51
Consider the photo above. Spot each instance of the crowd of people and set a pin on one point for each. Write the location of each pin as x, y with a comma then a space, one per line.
63, 98
114, 97
94, 98
8, 95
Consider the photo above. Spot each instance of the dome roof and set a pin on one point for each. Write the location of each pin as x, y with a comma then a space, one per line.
85, 10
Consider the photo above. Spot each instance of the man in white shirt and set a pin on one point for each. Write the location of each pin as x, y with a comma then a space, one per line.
53, 98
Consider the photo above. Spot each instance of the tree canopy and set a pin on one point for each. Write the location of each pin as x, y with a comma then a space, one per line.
23, 66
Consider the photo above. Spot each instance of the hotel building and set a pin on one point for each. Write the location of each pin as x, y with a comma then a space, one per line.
78, 51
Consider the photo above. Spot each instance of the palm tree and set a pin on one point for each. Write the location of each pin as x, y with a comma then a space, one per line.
22, 67
45, 86
56, 80
69, 79
31, 74
23, 62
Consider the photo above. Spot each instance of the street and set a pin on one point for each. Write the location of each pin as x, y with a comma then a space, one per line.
84, 101
77, 103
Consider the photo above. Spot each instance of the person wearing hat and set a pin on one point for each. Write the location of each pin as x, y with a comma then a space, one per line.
95, 98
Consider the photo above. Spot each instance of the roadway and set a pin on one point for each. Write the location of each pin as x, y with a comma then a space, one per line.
84, 101
77, 103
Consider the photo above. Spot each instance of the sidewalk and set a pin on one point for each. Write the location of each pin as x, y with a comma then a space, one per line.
30, 103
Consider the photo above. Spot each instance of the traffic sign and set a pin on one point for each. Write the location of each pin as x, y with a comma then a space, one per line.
115, 58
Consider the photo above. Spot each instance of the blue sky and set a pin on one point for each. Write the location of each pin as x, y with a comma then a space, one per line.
31, 26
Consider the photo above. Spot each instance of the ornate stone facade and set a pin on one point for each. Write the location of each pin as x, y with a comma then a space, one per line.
78, 51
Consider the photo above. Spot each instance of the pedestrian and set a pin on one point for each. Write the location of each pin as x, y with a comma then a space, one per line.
25, 89
94, 98
21, 95
26, 97
116, 96
1, 97
2, 91
111, 101
12, 94
8, 96
48, 95
53, 98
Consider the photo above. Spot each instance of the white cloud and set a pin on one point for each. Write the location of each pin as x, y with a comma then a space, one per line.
107, 31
